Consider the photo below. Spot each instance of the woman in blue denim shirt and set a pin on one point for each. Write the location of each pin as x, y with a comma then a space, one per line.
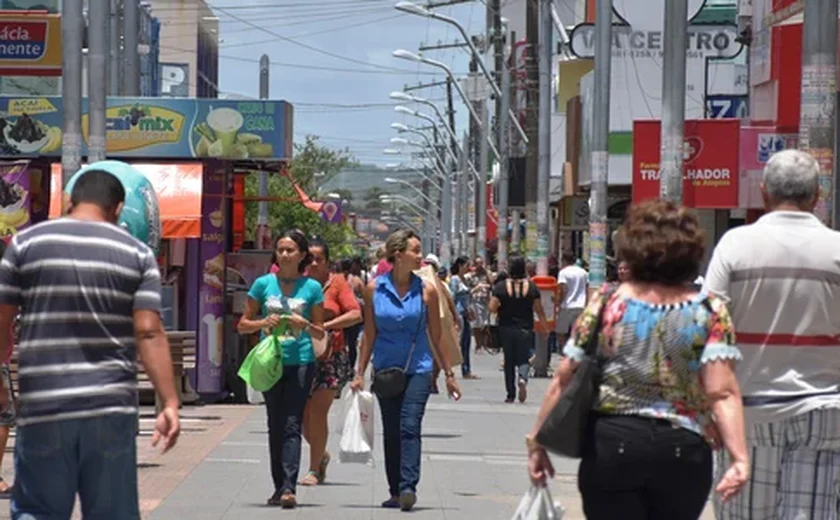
462, 295
397, 315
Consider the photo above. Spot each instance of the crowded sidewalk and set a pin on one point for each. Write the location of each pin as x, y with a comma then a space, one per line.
474, 463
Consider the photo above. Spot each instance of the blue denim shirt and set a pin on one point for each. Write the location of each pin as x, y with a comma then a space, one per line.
399, 323
460, 294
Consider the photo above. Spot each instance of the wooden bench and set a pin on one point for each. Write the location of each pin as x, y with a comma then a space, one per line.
182, 350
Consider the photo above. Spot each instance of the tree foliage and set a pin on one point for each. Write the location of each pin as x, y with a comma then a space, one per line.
313, 164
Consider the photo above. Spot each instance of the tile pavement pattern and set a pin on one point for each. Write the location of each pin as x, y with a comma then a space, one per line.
474, 464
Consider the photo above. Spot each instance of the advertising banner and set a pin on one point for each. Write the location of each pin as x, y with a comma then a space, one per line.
331, 212
757, 145
14, 197
211, 301
155, 128
710, 167
30, 44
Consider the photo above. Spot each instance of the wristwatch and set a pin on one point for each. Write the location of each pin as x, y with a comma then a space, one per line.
531, 444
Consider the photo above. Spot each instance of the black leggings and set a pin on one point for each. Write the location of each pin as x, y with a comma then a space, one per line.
635, 468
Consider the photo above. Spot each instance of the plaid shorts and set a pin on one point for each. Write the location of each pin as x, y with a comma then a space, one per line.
794, 471
9, 415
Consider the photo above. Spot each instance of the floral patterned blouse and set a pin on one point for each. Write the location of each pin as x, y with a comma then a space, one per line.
653, 355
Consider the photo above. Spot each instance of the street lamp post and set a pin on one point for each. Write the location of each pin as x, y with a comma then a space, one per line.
408, 7
406, 55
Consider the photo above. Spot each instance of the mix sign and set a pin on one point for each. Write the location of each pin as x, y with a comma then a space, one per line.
30, 44
710, 162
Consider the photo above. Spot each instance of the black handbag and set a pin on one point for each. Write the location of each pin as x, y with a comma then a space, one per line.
391, 382
564, 430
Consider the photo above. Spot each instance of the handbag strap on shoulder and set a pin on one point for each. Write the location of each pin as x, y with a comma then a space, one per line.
591, 348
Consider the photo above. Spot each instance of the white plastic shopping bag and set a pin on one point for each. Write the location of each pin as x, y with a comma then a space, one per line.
357, 437
254, 397
538, 505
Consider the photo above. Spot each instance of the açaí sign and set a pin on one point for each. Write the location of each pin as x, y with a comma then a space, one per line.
710, 167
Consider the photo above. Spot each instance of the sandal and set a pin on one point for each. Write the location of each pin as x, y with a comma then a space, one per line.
5, 489
322, 467
310, 479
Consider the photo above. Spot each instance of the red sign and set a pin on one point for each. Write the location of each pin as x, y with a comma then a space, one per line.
492, 221
710, 162
30, 44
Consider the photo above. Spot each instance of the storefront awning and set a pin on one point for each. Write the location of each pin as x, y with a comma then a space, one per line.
178, 189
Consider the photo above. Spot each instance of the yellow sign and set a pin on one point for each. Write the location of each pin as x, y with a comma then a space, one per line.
132, 127
31, 106
30, 44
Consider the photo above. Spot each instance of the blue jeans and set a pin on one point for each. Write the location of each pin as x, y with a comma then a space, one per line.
466, 342
402, 418
94, 457
284, 404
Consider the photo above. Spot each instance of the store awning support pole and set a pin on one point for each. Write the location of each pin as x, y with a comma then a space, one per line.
72, 31
99, 20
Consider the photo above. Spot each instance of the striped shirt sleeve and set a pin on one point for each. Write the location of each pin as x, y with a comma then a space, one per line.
147, 297
10, 286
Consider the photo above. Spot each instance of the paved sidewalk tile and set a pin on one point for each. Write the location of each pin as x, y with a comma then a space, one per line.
474, 466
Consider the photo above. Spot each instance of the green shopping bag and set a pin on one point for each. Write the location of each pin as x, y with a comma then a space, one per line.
263, 366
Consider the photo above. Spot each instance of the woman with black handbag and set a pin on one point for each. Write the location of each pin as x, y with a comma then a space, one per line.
660, 357
399, 334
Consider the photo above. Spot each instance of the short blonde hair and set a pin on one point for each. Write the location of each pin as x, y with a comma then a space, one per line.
398, 242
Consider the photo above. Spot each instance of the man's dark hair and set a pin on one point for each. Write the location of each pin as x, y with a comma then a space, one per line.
569, 257
98, 187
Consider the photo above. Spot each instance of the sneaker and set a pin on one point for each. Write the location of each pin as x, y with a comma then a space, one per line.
523, 390
391, 503
407, 500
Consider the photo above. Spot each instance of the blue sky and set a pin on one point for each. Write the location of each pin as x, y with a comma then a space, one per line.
367, 31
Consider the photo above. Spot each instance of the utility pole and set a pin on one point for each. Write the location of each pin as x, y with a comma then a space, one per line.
464, 176
504, 149
673, 101
427, 221
481, 185
600, 145
817, 131
544, 129
445, 210
131, 55
263, 233
72, 30
456, 205
515, 215
532, 187
98, 24
115, 38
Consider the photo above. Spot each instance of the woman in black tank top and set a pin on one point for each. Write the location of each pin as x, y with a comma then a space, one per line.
516, 299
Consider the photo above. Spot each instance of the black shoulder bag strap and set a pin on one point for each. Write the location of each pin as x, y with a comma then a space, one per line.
416, 333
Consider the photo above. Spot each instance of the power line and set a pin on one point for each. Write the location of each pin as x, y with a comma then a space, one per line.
307, 46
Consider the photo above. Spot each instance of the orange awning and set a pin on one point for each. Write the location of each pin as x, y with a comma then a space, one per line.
178, 189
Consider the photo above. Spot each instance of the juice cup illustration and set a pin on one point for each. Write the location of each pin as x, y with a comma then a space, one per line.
214, 338
225, 123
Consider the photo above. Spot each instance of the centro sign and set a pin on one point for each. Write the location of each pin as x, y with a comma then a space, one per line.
641, 34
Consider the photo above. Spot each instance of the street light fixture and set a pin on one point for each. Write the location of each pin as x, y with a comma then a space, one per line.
392, 180
411, 8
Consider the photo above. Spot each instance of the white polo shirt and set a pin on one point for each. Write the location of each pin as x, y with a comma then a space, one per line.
781, 279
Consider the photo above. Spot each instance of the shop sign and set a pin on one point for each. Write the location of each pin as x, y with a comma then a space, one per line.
15, 197
757, 145
710, 167
211, 303
30, 44
155, 128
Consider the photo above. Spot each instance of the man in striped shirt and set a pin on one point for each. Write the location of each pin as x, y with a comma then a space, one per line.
89, 297
781, 278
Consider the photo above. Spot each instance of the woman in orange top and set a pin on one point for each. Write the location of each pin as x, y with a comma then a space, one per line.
341, 310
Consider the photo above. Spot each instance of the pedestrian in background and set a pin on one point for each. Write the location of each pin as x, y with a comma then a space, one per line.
462, 295
89, 299
402, 326
780, 277
287, 297
516, 299
573, 282
668, 392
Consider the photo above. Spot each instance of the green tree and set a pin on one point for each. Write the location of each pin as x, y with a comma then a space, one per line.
313, 163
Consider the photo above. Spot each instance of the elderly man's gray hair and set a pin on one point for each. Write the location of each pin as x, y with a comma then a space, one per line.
792, 176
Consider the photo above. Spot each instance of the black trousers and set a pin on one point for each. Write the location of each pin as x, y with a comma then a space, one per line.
517, 345
635, 468
284, 404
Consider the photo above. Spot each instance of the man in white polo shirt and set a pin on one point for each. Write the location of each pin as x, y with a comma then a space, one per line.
781, 277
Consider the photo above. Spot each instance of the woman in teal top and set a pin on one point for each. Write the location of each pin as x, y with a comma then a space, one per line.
287, 300
401, 332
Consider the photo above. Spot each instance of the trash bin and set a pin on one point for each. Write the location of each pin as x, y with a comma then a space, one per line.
548, 288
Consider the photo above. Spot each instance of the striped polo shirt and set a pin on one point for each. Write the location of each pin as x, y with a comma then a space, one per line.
77, 284
781, 279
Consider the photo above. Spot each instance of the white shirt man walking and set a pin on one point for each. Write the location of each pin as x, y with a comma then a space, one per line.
781, 278
572, 280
